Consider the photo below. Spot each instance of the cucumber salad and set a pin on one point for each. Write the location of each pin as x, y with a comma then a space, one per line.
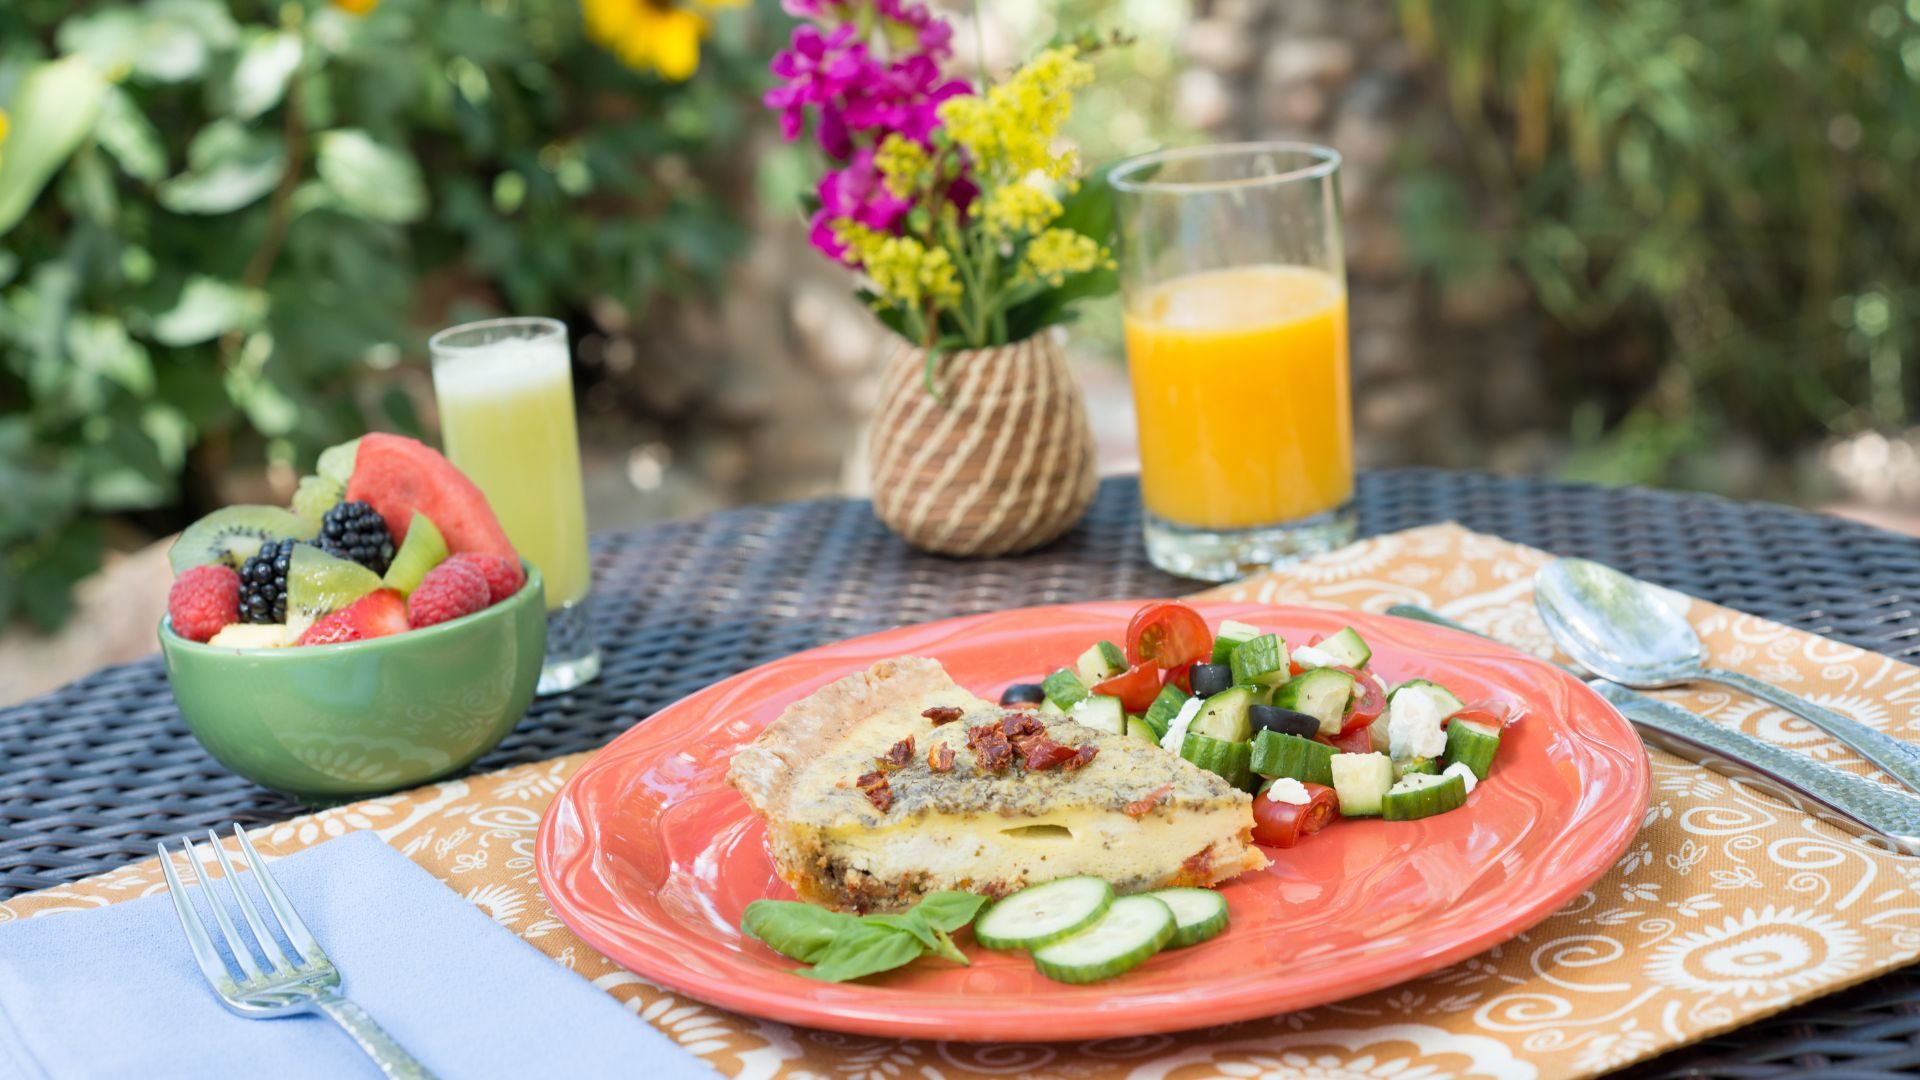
1310, 729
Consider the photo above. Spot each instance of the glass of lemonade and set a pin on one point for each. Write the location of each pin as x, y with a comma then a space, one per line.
1235, 297
505, 388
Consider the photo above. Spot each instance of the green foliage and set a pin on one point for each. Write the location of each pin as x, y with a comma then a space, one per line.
1732, 181
222, 226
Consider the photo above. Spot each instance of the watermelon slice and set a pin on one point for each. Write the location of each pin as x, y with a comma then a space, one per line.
399, 476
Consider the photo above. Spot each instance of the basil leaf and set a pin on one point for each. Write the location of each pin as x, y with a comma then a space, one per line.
931, 937
794, 929
949, 911
946, 949
865, 949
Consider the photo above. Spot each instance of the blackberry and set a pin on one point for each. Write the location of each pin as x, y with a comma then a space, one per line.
354, 530
263, 583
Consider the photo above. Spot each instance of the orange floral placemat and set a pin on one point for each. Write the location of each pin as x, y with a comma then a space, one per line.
1727, 906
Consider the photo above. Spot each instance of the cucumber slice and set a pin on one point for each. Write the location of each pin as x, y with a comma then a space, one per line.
1064, 688
1232, 761
1420, 766
1361, 781
1226, 715
1042, 914
1347, 649
1198, 914
1422, 795
1100, 712
1443, 698
1166, 707
1301, 759
1229, 637
1322, 694
1049, 708
1138, 728
1260, 661
1131, 931
1102, 661
1472, 745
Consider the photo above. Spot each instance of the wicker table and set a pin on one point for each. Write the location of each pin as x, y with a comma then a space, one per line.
94, 773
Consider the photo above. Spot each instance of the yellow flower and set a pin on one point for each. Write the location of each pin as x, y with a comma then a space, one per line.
1011, 130
1019, 208
1056, 253
901, 162
356, 7
657, 35
902, 269
5, 123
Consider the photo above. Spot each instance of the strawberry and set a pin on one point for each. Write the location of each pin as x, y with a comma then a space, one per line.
504, 576
449, 591
377, 614
203, 600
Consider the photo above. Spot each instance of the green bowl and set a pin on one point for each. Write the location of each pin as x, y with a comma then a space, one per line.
332, 723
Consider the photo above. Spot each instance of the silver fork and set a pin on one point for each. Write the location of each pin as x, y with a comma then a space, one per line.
308, 983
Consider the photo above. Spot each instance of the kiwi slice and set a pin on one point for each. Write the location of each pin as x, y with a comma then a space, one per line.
421, 551
315, 496
319, 584
336, 462
231, 535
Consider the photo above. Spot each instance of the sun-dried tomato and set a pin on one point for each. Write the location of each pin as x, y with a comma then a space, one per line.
943, 714
878, 791
1043, 753
990, 747
1021, 726
1144, 805
1081, 757
940, 757
898, 755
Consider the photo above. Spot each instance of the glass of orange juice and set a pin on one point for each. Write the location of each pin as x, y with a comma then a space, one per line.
1234, 284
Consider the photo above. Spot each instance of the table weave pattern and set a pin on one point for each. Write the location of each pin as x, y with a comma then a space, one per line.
96, 772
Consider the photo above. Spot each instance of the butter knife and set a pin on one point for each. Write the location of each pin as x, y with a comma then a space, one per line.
1854, 803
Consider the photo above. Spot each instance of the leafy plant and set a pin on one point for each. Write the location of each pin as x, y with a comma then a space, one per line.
1730, 181
223, 229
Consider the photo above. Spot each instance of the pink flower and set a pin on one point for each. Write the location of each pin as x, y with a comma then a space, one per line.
904, 97
820, 70
854, 192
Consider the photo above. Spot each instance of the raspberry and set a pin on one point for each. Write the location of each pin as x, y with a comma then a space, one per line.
203, 600
503, 575
449, 591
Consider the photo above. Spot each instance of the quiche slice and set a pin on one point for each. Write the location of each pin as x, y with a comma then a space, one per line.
896, 782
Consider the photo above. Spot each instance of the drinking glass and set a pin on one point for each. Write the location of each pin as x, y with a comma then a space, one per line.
505, 388
1234, 289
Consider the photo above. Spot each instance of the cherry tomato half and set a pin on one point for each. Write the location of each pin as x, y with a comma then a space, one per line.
1182, 676
1278, 824
1368, 700
1492, 713
1353, 740
1168, 633
1136, 687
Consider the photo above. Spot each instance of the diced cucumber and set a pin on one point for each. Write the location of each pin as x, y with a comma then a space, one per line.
1301, 759
1347, 649
1361, 781
1100, 712
1040, 914
1322, 694
1131, 931
1231, 761
1064, 688
1422, 795
1420, 766
1049, 708
1102, 661
1138, 728
1166, 707
1472, 745
1198, 914
1260, 661
1229, 637
1443, 698
1225, 715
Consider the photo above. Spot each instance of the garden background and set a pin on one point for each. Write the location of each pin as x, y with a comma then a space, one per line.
1630, 241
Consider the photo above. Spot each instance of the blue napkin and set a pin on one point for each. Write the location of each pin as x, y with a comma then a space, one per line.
114, 992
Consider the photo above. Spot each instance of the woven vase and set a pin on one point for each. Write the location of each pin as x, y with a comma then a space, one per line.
1000, 461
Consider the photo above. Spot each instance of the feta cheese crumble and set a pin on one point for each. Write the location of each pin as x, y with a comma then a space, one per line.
1459, 769
1288, 790
1177, 729
1309, 656
1413, 725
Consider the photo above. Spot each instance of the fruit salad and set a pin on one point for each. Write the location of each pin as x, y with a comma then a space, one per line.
386, 537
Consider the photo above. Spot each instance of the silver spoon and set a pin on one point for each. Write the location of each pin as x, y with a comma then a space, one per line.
1617, 627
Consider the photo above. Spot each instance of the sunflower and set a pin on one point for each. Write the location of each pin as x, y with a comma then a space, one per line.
357, 7
657, 35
